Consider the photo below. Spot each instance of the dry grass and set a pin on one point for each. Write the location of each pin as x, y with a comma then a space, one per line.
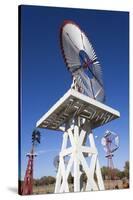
109, 185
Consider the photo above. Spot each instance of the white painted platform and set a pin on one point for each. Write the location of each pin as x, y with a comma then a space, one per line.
74, 103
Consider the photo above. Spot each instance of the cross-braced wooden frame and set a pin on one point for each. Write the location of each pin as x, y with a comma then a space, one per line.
77, 131
76, 115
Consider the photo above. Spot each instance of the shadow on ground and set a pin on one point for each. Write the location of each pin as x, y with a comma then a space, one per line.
13, 189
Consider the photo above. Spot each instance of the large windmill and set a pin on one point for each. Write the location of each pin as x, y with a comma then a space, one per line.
79, 111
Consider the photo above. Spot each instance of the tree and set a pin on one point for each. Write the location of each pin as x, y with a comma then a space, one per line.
50, 180
126, 169
70, 178
109, 173
121, 174
43, 180
104, 171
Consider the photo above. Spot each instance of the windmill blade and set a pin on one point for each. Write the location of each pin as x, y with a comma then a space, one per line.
114, 149
89, 49
98, 90
69, 49
107, 133
105, 149
86, 84
97, 71
103, 141
117, 140
96, 68
73, 36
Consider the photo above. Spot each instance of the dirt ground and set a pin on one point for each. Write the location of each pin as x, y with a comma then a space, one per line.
109, 185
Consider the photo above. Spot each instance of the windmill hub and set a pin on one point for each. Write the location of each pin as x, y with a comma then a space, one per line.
84, 59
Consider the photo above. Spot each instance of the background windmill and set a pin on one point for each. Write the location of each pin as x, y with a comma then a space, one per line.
110, 142
27, 186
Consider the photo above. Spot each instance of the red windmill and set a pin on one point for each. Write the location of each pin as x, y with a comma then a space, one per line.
27, 187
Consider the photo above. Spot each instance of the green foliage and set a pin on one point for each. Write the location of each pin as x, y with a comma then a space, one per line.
126, 169
50, 180
116, 173
45, 180
106, 173
70, 178
84, 177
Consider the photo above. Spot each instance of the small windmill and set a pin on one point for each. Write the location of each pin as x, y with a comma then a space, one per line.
110, 142
27, 187
56, 162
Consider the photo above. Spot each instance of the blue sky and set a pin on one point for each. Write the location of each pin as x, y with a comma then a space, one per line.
45, 78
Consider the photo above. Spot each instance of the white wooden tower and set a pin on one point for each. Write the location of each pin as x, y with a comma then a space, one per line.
76, 115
